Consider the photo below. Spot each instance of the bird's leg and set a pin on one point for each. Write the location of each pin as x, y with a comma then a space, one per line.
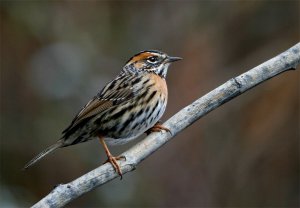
110, 158
157, 128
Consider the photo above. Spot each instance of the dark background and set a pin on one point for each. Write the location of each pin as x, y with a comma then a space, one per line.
56, 55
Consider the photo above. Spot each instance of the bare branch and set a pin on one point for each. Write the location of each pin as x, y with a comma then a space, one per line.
65, 193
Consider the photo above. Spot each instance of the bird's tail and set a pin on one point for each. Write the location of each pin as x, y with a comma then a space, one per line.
47, 151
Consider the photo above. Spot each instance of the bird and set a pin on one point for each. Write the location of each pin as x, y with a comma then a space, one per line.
128, 106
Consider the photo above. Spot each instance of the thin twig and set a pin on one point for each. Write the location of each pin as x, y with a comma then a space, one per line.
65, 193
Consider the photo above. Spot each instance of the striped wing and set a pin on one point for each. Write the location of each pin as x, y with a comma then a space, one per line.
114, 93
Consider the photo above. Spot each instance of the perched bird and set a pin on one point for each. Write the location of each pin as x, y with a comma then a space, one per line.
125, 108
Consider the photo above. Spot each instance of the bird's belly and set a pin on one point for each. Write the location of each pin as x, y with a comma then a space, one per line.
119, 141
134, 125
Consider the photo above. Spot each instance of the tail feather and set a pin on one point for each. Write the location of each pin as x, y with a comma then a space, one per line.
45, 152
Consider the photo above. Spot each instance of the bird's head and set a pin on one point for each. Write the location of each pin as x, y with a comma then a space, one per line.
150, 62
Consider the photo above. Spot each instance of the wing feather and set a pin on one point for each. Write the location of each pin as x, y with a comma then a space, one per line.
112, 94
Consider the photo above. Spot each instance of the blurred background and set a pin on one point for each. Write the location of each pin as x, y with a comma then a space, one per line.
56, 55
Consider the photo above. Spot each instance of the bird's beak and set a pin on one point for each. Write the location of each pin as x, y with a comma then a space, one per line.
172, 59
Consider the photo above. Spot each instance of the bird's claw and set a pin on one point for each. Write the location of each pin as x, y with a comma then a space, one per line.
113, 161
157, 128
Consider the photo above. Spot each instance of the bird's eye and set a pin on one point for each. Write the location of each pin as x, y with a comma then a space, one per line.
152, 59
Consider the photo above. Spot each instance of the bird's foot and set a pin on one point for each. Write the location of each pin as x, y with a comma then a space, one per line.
113, 161
157, 128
